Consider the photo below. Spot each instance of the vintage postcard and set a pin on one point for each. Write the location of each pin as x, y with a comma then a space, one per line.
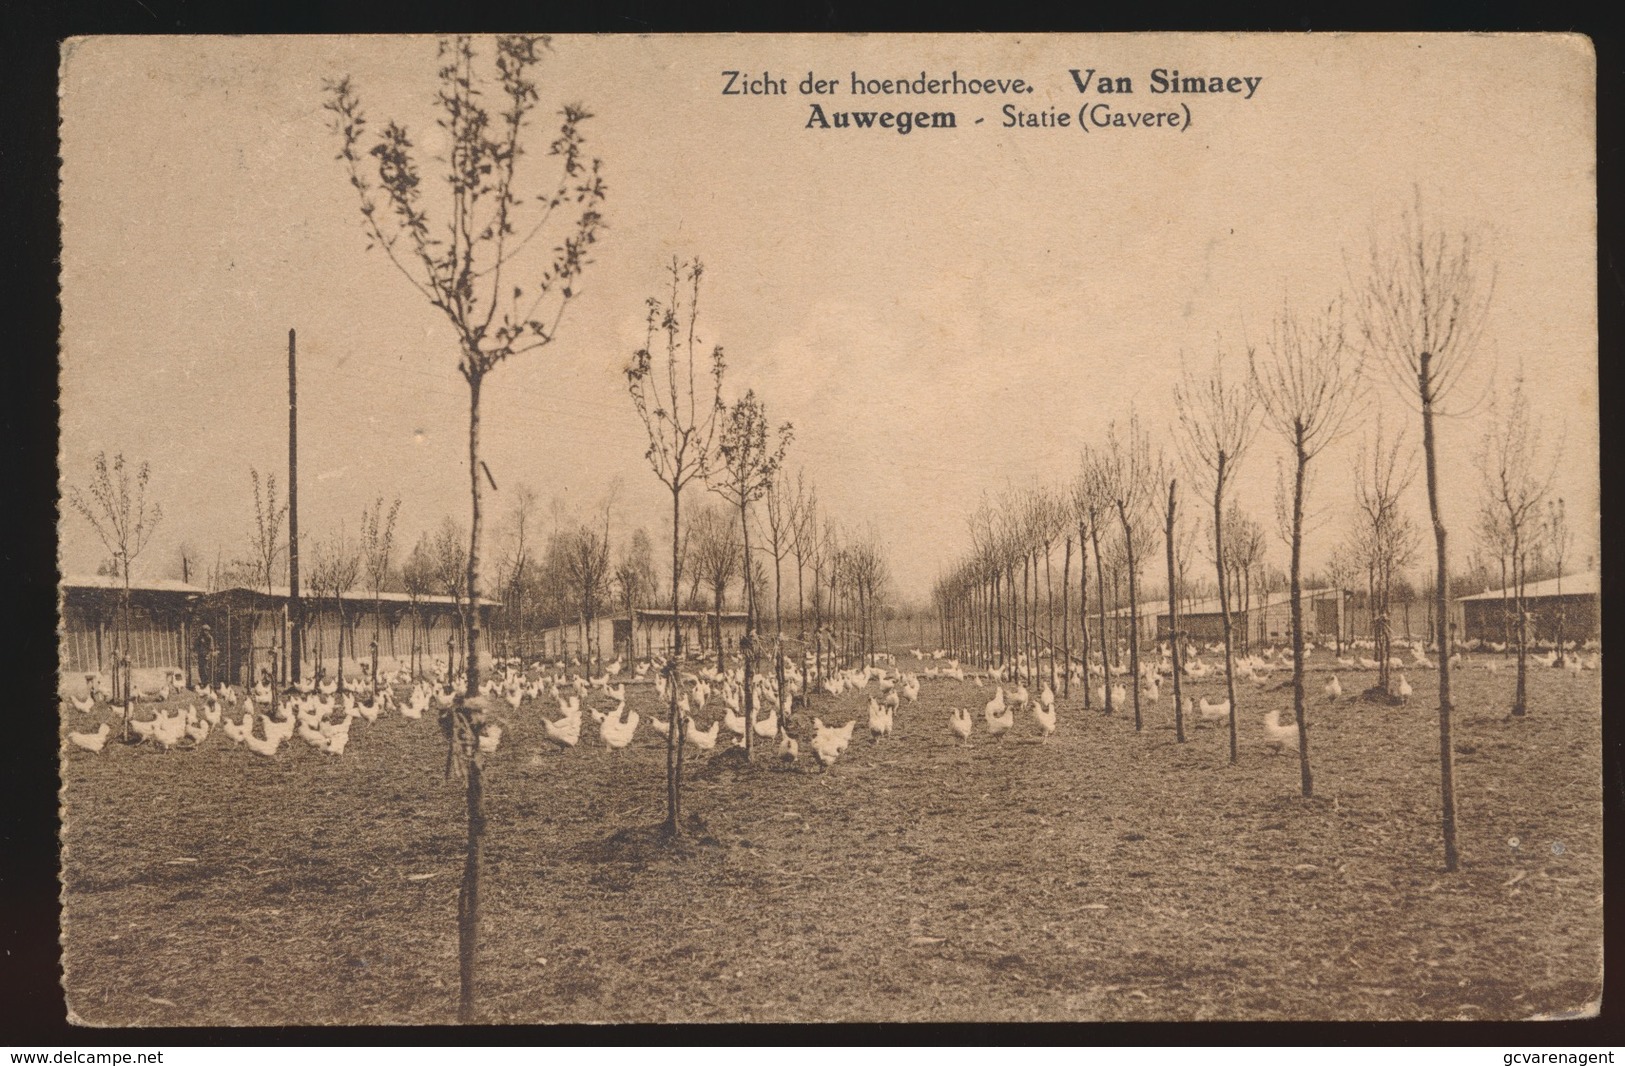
829, 528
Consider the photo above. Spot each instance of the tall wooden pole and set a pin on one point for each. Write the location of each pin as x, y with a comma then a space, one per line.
295, 615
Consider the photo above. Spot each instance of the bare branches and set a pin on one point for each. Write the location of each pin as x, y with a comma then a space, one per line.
1425, 296
116, 508
1217, 422
680, 414
1310, 382
378, 541
266, 535
749, 462
466, 263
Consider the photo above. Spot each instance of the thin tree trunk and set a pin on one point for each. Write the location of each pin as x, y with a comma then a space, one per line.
471, 631
1100, 595
674, 766
748, 645
1224, 601
468, 900
1133, 617
1519, 704
1441, 593
1297, 620
1083, 612
1066, 621
1173, 614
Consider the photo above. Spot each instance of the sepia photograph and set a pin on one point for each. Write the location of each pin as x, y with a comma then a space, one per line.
810, 528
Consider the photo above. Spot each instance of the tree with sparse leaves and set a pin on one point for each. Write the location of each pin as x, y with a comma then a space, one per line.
749, 454
1515, 490
377, 551
1217, 423
1423, 308
474, 263
1308, 386
676, 389
115, 506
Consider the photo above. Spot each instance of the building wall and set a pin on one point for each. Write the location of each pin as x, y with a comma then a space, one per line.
1488, 620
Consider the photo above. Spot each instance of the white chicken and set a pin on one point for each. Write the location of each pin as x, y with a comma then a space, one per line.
1402, 690
960, 721
994, 705
618, 729
92, 742
830, 743
1213, 711
704, 739
565, 732
788, 749
266, 747
880, 719
1334, 690
237, 731
998, 724
1045, 717
1277, 734
83, 706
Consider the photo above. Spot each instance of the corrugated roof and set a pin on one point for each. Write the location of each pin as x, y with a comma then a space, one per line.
1275, 599
105, 581
280, 592
1586, 584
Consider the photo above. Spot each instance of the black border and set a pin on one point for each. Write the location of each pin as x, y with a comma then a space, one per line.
31, 1002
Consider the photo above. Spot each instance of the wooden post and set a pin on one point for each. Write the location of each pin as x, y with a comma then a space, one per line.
296, 641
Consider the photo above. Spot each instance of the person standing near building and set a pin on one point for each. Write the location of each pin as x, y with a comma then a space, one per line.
203, 655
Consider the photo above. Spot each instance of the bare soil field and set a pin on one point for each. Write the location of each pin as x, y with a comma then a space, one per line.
1099, 874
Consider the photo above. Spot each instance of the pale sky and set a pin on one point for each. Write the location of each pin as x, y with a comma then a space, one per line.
939, 314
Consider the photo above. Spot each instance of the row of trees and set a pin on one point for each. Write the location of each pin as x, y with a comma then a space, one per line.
1416, 319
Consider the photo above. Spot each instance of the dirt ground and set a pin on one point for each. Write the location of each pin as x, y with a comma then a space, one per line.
1097, 875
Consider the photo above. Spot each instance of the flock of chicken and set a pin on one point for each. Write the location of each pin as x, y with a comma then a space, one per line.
322, 713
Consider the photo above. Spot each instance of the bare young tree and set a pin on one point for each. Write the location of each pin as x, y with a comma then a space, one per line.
1090, 501
1422, 312
803, 532
750, 455
266, 544
1217, 423
418, 579
518, 567
870, 578
1515, 488
1382, 473
586, 567
475, 264
115, 506
377, 551
1170, 542
1048, 518
635, 582
1129, 473
677, 392
717, 561
1244, 544
333, 572
776, 524
1308, 386
451, 578
1558, 538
